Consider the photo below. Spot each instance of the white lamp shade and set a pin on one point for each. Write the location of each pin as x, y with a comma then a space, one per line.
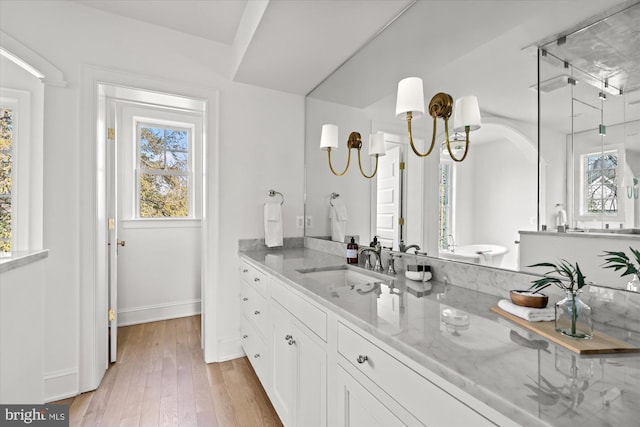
376, 144
466, 113
329, 137
410, 98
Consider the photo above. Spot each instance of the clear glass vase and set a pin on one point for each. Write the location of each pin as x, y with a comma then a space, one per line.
634, 284
573, 317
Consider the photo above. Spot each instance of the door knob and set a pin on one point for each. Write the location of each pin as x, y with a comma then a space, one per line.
120, 243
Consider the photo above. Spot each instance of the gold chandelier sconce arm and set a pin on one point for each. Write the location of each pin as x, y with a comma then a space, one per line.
355, 141
331, 166
375, 170
441, 106
466, 146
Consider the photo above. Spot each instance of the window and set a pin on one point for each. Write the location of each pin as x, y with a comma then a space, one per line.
164, 171
6, 182
600, 183
445, 197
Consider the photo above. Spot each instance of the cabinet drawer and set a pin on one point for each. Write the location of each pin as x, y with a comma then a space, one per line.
255, 348
423, 399
255, 308
307, 313
254, 276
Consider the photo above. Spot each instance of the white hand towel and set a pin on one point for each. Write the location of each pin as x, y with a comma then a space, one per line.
338, 226
273, 235
528, 313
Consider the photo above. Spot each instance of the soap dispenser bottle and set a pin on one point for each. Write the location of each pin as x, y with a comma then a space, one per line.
352, 252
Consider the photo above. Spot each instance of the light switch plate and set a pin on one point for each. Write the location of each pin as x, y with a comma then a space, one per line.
299, 221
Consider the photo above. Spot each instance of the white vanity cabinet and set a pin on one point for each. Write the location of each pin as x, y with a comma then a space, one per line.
413, 399
254, 328
319, 369
299, 372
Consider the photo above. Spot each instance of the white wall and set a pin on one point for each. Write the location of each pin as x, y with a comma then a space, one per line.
260, 136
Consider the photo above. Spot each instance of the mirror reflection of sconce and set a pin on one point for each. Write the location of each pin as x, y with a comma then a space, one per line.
329, 141
410, 105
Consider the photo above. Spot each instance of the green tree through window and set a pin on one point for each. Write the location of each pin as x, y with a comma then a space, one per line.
163, 177
6, 145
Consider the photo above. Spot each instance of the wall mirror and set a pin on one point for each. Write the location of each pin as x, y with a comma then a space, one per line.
492, 195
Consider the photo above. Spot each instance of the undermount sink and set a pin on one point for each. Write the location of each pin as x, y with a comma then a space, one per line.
339, 276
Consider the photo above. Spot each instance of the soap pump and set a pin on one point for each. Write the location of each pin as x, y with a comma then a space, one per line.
374, 242
352, 252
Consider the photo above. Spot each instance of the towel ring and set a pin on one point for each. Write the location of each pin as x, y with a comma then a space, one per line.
333, 196
272, 193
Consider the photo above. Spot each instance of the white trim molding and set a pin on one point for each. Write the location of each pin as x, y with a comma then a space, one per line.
60, 384
157, 312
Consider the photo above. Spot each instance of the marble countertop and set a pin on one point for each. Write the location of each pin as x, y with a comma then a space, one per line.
612, 233
520, 374
21, 258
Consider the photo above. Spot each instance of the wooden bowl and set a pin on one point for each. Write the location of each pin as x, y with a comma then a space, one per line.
529, 299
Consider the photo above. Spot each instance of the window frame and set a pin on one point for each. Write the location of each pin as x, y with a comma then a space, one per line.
450, 219
580, 157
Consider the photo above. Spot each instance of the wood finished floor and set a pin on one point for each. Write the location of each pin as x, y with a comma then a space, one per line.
160, 379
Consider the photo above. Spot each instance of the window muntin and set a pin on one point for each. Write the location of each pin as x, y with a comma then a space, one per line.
164, 171
6, 182
600, 183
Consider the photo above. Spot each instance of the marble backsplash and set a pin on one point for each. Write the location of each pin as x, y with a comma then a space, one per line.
614, 307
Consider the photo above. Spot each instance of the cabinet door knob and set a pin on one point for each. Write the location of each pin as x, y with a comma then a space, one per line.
257, 279
244, 270
256, 356
292, 342
245, 299
288, 337
245, 336
362, 358
256, 312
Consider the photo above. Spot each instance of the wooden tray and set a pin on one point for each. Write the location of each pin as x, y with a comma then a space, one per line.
599, 344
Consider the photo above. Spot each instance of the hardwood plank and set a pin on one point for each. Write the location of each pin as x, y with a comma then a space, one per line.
160, 379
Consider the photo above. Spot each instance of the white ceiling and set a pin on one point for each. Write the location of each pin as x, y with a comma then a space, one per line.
294, 45
459, 46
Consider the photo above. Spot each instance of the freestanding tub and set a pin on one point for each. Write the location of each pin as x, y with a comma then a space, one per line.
483, 254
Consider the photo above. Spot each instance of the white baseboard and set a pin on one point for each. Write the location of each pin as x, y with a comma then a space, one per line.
229, 349
154, 313
60, 384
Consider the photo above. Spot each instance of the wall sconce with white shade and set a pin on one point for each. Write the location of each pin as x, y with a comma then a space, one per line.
329, 141
410, 105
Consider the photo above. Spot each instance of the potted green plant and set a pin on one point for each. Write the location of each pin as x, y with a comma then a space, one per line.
619, 261
573, 316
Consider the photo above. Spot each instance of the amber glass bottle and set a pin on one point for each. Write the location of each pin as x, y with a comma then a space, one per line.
352, 252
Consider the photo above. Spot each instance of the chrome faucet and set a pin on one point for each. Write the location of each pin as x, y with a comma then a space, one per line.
376, 251
391, 269
404, 248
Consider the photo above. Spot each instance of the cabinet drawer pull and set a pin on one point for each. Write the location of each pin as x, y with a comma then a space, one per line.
256, 312
245, 337
288, 337
362, 358
244, 270
292, 341
245, 299
256, 356
257, 279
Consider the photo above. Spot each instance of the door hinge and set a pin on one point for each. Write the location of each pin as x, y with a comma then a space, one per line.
112, 224
111, 134
401, 221
112, 315
402, 166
